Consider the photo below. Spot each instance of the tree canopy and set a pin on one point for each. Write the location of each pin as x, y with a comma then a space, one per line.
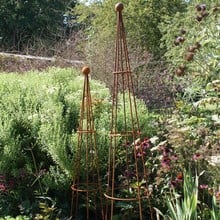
24, 22
142, 19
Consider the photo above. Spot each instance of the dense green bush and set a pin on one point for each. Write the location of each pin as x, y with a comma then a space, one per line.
191, 134
193, 55
192, 42
39, 120
27, 24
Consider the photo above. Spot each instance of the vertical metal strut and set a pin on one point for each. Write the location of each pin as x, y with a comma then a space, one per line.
86, 188
126, 166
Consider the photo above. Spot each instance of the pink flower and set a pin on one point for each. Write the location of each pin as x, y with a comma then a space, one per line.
203, 186
139, 154
165, 163
145, 145
11, 183
217, 195
165, 150
174, 157
129, 174
127, 144
197, 156
137, 147
178, 180
2, 187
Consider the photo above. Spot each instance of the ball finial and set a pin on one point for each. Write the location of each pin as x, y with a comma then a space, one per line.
86, 70
119, 7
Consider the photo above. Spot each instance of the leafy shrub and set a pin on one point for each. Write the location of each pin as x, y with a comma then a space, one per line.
186, 207
192, 42
190, 135
40, 113
193, 54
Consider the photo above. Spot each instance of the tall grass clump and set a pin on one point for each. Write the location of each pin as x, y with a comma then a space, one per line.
183, 207
187, 205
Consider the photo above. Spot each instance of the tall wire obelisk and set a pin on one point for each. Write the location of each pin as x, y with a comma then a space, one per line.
126, 167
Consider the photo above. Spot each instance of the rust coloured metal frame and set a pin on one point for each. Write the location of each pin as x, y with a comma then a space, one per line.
86, 187
126, 168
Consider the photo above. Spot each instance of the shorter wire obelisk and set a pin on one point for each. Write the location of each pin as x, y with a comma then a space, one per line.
127, 175
86, 188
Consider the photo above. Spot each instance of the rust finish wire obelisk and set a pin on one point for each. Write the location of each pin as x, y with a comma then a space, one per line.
86, 188
126, 169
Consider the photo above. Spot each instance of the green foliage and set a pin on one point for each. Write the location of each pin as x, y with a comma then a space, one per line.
188, 206
192, 42
184, 208
191, 133
19, 217
40, 112
187, 209
142, 19
38, 109
187, 139
194, 126
25, 22
193, 137
39, 121
215, 211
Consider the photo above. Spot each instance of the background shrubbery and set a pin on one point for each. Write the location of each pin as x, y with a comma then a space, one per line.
39, 120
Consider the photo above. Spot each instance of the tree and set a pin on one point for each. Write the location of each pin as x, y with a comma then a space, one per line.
24, 22
141, 19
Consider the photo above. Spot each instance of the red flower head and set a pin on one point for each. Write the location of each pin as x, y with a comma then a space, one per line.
179, 177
